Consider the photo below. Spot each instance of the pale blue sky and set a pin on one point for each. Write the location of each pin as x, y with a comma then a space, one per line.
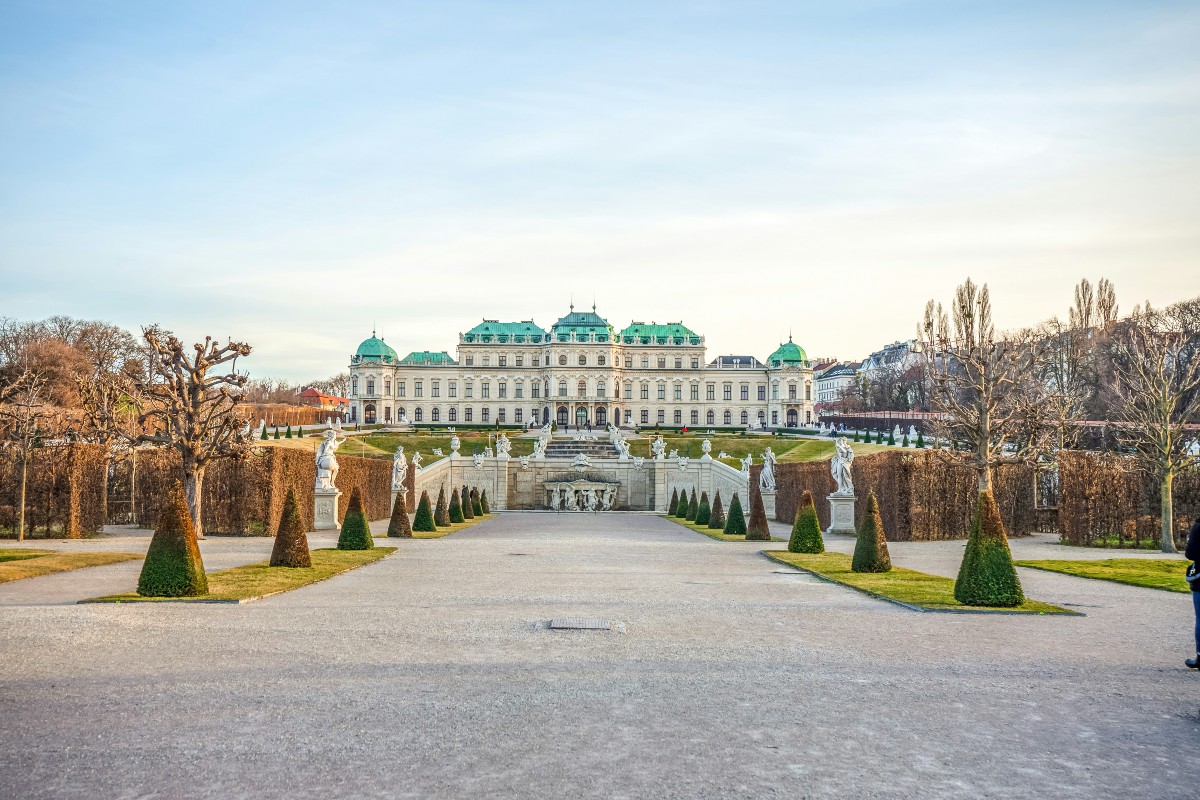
293, 173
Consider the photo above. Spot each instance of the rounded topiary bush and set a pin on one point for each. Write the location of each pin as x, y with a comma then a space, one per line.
423, 521
870, 549
291, 541
735, 523
758, 530
704, 510
456, 510
693, 507
441, 512
674, 505
399, 526
173, 567
806, 529
716, 518
355, 534
468, 509
987, 576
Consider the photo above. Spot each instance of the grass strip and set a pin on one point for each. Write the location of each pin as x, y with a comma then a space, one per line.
47, 562
256, 581
916, 590
711, 532
1165, 574
13, 554
442, 530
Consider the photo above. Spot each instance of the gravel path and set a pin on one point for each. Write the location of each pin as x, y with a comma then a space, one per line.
431, 674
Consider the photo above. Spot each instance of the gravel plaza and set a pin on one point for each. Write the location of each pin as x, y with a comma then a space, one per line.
433, 673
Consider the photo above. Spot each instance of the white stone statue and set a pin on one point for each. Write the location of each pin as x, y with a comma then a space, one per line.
638, 461
581, 463
674, 454
658, 447
399, 468
840, 466
437, 451
571, 505
554, 499
244, 433
329, 422
503, 446
327, 465
912, 432
403, 419
897, 435
723, 454
539, 448
766, 478
455, 443
609, 496
477, 460
706, 447
524, 461
747, 463
416, 460
683, 462
262, 423
589, 500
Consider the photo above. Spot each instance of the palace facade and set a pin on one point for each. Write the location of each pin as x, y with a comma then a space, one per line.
580, 372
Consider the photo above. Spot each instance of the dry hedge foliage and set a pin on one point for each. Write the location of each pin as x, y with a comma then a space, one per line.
921, 498
64, 493
1105, 500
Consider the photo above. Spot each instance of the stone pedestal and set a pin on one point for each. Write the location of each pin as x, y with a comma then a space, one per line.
399, 493
325, 509
768, 498
841, 513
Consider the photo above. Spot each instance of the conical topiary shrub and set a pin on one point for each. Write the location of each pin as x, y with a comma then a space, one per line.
892, 438
735, 524
671, 509
441, 512
399, 527
716, 520
288, 435
703, 511
423, 521
758, 530
921, 440
871, 550
468, 510
356, 534
693, 507
476, 503
856, 436
173, 567
300, 433
681, 509
483, 503
806, 530
455, 511
276, 432
987, 576
879, 437
264, 433
291, 543
905, 442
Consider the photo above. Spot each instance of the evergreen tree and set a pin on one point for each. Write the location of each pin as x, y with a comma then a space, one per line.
758, 530
456, 510
892, 438
355, 534
987, 576
878, 437
300, 434
399, 527
291, 543
441, 512
693, 507
264, 435
704, 511
920, 440
476, 504
871, 550
806, 529
173, 567
483, 503
288, 435
681, 509
716, 520
735, 523
856, 436
468, 510
674, 502
276, 433
423, 521
905, 442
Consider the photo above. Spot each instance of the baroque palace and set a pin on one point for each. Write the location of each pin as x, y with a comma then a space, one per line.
580, 372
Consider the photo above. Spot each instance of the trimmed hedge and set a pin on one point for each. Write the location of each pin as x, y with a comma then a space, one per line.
987, 576
674, 502
441, 512
456, 510
291, 542
400, 527
716, 519
693, 507
476, 503
806, 530
871, 550
483, 502
758, 530
703, 511
682, 507
468, 508
173, 567
355, 534
735, 524
423, 522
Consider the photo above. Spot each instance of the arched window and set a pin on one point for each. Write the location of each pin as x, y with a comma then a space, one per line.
710, 418
485, 415
745, 418
562, 361
582, 360
435, 415
500, 415
468, 414
600, 360
452, 415
354, 386
582, 389
728, 420
418, 415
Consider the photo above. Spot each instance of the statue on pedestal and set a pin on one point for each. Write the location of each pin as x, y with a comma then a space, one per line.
327, 465
766, 478
747, 462
658, 447
503, 446
416, 460
840, 466
399, 469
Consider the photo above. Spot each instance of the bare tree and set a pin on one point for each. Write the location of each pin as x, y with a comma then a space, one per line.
1156, 364
193, 410
337, 385
110, 417
24, 419
978, 380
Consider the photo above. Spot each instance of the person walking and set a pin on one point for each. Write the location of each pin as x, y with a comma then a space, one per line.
1192, 553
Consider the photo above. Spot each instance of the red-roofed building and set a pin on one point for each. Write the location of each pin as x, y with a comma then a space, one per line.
328, 402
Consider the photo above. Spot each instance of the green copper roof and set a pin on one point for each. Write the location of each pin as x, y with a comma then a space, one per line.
428, 358
582, 323
788, 353
671, 333
491, 330
375, 348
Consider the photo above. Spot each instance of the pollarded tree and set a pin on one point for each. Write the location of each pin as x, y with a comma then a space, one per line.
192, 409
441, 512
870, 549
758, 530
355, 533
735, 523
423, 521
703, 511
716, 519
399, 526
806, 530
291, 542
1156, 364
173, 567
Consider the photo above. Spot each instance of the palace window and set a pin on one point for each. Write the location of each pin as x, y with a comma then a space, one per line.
418, 414
452, 415
728, 418
710, 392
581, 389
662, 391
762, 417
645, 391
745, 392
710, 418
774, 391
468, 414
678, 417
536, 391
435, 388
628, 391
487, 360
485, 389
562, 361
645, 417
807, 391
583, 361
662, 416
503, 386
518, 415
370, 386
387, 413
435, 415
502, 361
484, 415
728, 391
470, 361
645, 362
628, 362
354, 386
791, 391
399, 388
662, 362
601, 388
519, 390
387, 387
562, 388
679, 363
774, 417
695, 417
453, 388
694, 392
745, 418
520, 361
762, 393
537, 361
418, 389
678, 393
500, 415
695, 363
470, 390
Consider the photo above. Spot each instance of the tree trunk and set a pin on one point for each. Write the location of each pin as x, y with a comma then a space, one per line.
133, 486
21, 501
108, 460
1168, 517
985, 479
193, 485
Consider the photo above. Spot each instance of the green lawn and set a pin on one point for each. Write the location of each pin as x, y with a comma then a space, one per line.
787, 450
713, 534
383, 445
259, 580
928, 592
17, 564
1149, 573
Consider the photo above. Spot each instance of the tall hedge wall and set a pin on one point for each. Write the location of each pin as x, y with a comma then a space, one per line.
64, 492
